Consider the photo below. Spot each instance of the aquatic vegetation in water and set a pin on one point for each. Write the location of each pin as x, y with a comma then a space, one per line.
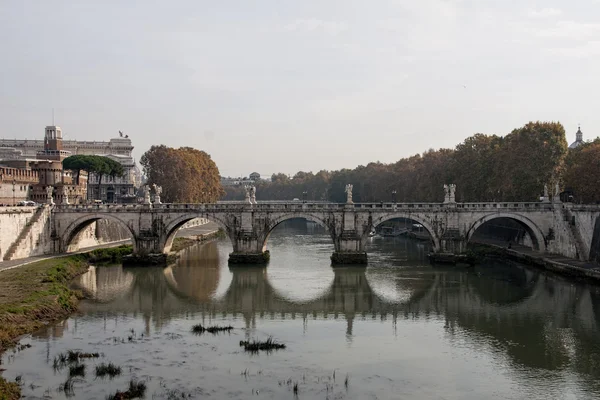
136, 390
21, 347
110, 370
175, 394
77, 370
75, 356
70, 357
255, 346
199, 329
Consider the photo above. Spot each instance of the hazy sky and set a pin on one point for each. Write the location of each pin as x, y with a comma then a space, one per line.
280, 85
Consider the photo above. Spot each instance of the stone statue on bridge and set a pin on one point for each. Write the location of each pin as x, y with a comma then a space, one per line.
449, 193
247, 195
49, 199
556, 193
157, 193
546, 197
250, 195
147, 194
65, 194
349, 194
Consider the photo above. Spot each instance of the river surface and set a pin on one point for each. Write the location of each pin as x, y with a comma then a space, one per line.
397, 329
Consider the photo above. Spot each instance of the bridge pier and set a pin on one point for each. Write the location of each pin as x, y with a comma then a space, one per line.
238, 257
147, 245
248, 249
349, 250
452, 245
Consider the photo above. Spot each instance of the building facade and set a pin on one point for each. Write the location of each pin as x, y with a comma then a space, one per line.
48, 169
16, 185
116, 189
54, 149
252, 179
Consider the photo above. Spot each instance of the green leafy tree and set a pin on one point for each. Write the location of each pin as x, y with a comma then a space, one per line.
531, 156
76, 163
97, 165
582, 173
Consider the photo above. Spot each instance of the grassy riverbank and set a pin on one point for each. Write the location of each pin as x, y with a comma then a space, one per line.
34, 295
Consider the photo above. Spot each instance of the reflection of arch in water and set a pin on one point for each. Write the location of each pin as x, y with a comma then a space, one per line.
536, 235
349, 292
288, 217
504, 284
196, 274
105, 284
393, 288
293, 288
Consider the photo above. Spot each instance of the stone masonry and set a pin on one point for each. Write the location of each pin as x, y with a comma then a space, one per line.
561, 228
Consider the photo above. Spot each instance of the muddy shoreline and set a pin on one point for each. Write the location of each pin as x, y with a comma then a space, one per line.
39, 294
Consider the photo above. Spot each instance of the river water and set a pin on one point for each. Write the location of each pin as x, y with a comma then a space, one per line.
397, 329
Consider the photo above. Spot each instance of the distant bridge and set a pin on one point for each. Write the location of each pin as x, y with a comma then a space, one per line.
561, 228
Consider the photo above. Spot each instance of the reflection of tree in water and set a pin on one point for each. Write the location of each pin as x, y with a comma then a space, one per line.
196, 273
537, 320
52, 331
547, 324
500, 283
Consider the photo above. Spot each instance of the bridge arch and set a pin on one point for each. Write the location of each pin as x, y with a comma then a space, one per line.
272, 224
386, 217
537, 237
75, 228
171, 229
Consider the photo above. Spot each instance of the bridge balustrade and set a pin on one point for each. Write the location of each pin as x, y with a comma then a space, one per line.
275, 206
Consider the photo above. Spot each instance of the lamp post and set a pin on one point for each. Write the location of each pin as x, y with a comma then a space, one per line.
304, 196
393, 196
14, 182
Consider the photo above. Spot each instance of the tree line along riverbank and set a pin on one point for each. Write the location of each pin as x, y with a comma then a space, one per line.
513, 167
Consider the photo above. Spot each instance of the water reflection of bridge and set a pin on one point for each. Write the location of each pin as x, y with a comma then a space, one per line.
191, 286
536, 319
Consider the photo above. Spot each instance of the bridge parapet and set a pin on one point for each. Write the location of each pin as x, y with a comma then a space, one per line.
267, 206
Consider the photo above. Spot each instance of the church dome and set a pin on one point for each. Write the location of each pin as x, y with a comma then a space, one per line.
578, 139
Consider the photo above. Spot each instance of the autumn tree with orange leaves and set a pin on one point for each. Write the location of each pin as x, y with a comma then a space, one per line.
187, 175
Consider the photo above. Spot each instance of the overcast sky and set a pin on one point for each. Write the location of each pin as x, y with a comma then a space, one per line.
281, 86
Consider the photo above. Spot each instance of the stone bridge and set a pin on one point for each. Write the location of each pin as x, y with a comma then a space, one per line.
554, 227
